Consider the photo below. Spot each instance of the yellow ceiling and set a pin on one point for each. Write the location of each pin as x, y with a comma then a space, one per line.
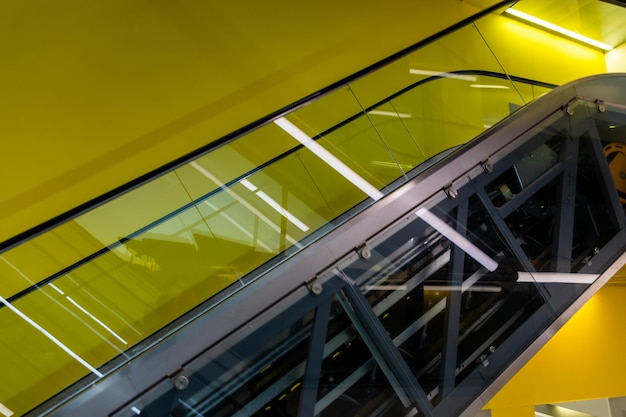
595, 19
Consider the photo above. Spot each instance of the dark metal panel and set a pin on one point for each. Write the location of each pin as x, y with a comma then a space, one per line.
474, 385
565, 200
453, 310
504, 230
615, 209
313, 369
386, 353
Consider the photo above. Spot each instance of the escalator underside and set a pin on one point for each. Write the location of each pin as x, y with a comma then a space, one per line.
420, 303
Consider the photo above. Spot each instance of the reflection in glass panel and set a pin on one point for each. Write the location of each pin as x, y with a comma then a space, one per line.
362, 144
391, 120
449, 101
268, 374
421, 295
450, 285
566, 177
124, 270
254, 377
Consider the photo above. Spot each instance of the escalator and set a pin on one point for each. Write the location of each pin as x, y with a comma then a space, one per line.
420, 303
195, 236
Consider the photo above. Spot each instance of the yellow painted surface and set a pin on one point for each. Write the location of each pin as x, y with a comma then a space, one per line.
119, 99
96, 95
449, 111
537, 54
616, 59
582, 361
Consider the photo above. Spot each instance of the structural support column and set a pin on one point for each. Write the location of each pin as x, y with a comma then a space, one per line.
453, 310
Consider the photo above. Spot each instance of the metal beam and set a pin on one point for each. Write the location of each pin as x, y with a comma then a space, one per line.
312, 373
453, 310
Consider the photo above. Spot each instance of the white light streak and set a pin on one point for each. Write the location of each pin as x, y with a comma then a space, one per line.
57, 289
464, 77
273, 204
248, 185
387, 164
556, 277
329, 158
283, 212
94, 318
4, 410
490, 86
50, 336
456, 238
555, 28
247, 205
390, 114
473, 279
126, 323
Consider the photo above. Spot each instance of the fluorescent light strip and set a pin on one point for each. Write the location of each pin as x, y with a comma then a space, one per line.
390, 114
57, 289
456, 238
464, 77
556, 277
4, 410
558, 29
247, 205
50, 336
490, 86
135, 410
248, 185
94, 318
329, 158
273, 204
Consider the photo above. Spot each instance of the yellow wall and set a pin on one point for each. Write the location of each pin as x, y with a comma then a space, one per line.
584, 360
616, 59
96, 94
448, 110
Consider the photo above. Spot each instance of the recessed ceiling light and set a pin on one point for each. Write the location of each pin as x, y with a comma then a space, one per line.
558, 29
490, 86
